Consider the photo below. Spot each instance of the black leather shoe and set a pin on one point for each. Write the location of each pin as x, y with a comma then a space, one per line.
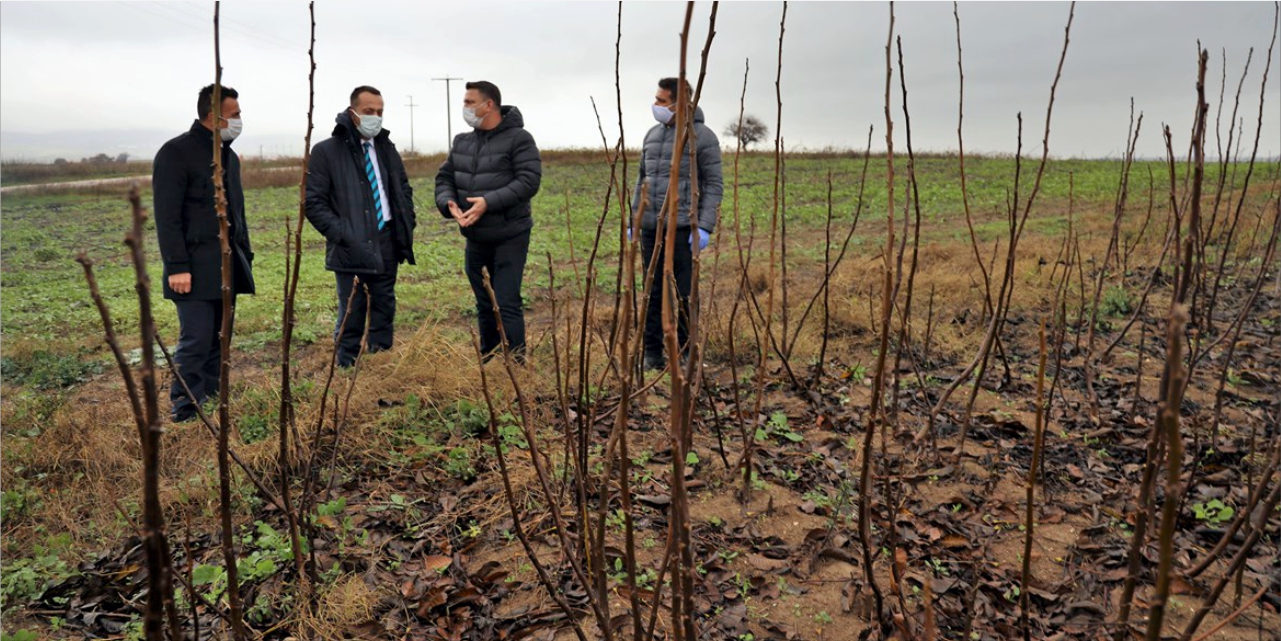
654, 361
183, 415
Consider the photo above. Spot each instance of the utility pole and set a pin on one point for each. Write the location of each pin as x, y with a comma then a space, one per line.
449, 113
411, 106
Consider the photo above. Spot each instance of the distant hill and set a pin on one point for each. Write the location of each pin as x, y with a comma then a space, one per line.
140, 144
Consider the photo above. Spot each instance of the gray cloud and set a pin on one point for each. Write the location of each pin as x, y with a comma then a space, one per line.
129, 71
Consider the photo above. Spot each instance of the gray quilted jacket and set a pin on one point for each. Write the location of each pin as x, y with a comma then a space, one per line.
656, 166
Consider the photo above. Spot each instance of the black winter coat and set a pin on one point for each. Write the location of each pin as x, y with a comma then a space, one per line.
186, 221
340, 202
656, 167
501, 165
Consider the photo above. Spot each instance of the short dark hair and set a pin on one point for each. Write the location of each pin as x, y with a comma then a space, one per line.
670, 84
203, 106
487, 89
355, 93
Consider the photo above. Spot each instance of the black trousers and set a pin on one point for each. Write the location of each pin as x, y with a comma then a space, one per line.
380, 306
198, 354
505, 261
683, 264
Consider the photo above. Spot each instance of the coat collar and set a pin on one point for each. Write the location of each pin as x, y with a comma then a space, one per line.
345, 128
199, 132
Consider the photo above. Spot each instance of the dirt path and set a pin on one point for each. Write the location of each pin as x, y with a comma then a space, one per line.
143, 181
75, 184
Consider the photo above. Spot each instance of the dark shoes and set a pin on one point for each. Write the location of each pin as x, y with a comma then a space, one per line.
517, 354
187, 412
184, 415
655, 361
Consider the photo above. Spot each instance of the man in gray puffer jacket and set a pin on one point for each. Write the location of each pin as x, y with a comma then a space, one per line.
655, 176
486, 185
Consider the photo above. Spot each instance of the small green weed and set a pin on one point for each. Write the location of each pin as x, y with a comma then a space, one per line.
48, 370
25, 579
1117, 301
1213, 512
254, 428
778, 427
459, 464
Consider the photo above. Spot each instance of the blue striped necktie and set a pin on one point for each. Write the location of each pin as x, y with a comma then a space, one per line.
373, 184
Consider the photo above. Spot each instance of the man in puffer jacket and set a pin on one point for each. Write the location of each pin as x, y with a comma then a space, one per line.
359, 199
486, 185
691, 227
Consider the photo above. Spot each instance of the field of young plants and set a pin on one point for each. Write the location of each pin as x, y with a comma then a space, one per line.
932, 397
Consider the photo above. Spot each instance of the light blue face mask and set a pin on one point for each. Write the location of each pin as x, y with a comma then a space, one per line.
663, 114
470, 117
232, 130
370, 125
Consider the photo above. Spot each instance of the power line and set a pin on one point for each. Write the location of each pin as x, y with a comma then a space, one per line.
242, 28
185, 21
449, 114
238, 32
411, 106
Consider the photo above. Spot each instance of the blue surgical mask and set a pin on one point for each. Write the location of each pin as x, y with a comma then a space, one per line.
370, 125
663, 114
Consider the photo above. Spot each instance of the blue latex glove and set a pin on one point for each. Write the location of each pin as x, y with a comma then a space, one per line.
704, 237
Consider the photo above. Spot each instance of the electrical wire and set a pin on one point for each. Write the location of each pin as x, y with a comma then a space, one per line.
261, 44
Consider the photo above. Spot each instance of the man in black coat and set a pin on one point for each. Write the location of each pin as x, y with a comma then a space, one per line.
494, 171
187, 228
359, 199
692, 225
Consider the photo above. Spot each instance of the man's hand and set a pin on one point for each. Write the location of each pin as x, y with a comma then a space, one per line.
473, 213
180, 283
456, 212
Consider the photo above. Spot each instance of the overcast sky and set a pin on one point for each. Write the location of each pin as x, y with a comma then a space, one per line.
78, 78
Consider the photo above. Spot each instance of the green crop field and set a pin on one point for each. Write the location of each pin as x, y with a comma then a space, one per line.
408, 454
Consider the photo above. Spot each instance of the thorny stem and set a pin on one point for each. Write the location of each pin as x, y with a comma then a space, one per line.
224, 374
536, 457
1002, 300
517, 524
875, 414
1168, 422
293, 268
145, 406
1038, 444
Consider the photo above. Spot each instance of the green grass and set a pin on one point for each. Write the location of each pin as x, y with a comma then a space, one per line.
49, 318
52, 337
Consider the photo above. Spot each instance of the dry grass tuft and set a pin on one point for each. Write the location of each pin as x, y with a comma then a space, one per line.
348, 602
757, 277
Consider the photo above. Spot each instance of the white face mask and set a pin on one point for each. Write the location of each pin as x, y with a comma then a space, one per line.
470, 117
370, 125
232, 130
663, 114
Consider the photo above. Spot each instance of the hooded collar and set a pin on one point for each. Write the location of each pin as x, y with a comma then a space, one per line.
698, 117
511, 120
345, 128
